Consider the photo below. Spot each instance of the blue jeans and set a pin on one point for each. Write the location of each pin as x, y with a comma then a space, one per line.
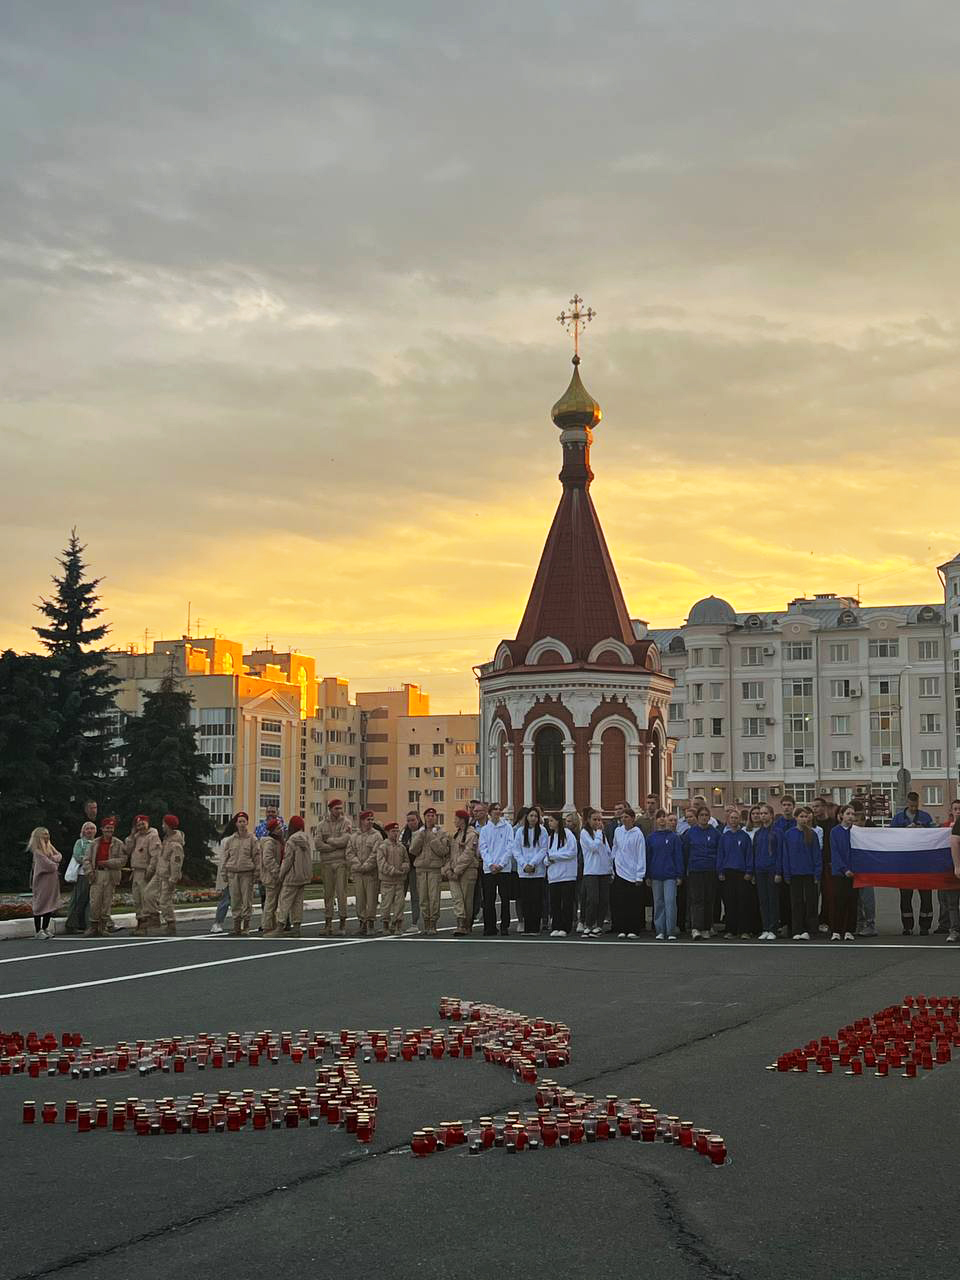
768, 891
866, 908
223, 906
664, 906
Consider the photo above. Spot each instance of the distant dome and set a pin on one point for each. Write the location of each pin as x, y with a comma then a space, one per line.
710, 612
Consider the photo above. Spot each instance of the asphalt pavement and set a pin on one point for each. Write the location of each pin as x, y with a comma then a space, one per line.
828, 1176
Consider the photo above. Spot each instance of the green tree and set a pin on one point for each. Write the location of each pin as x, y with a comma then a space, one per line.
28, 730
163, 772
82, 693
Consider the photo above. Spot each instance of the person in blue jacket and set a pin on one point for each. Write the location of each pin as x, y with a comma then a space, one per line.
767, 875
664, 873
913, 816
700, 859
802, 868
782, 824
735, 874
844, 906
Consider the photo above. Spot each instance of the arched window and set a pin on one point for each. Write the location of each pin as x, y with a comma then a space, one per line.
226, 665
548, 767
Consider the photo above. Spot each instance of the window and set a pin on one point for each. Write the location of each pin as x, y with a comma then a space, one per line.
698, 762
413, 773
676, 711
697, 693
753, 727
839, 652
752, 690
931, 758
696, 657
839, 724
840, 760
803, 792
797, 689
928, 650
270, 726
216, 722
466, 749
932, 795
716, 761
270, 775
929, 686
716, 727
413, 749
753, 762
466, 770
716, 797
716, 691
698, 728
797, 651
839, 689
751, 655
438, 748
269, 802
798, 758
884, 648
930, 723
679, 779
413, 797
716, 657
755, 795
842, 795
271, 750
438, 795
438, 771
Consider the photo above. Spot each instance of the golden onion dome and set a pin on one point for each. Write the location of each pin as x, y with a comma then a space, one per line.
576, 407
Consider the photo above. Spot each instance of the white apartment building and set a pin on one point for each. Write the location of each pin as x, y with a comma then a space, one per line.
821, 695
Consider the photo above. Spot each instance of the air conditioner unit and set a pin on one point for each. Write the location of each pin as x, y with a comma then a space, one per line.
857, 692
448, 739
768, 651
771, 756
858, 759
775, 791
769, 720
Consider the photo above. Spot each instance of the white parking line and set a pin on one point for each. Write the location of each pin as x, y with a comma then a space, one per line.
53, 952
598, 944
185, 968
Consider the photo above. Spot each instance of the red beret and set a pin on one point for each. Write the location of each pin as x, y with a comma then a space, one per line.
392, 826
430, 810
367, 813
171, 820
335, 801
272, 824
296, 823
109, 822
241, 814
462, 813
142, 817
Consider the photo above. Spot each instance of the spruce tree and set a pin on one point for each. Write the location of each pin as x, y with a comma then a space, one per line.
83, 692
28, 730
163, 772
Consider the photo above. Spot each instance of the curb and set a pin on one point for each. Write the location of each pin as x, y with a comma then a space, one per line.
24, 928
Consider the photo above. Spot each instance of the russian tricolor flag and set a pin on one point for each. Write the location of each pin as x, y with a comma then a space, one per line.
902, 858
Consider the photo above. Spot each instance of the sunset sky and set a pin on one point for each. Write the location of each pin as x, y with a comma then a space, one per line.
279, 283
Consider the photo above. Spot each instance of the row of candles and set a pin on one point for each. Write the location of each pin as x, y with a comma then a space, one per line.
339, 1098
920, 1033
564, 1118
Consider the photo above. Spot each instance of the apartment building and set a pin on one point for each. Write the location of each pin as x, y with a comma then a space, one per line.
415, 759
275, 735
821, 695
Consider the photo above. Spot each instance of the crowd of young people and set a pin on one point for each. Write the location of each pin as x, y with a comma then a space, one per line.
759, 875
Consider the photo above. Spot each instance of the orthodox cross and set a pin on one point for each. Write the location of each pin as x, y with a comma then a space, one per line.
575, 321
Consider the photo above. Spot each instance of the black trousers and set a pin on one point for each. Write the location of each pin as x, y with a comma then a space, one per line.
563, 895
843, 911
494, 883
626, 906
804, 905
926, 908
530, 902
478, 893
736, 892
785, 908
701, 891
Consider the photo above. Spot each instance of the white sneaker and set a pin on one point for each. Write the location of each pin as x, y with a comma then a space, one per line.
51, 930
835, 937
804, 937
581, 928
631, 935
594, 933
672, 937
848, 937
621, 935
217, 928
40, 935
695, 934
797, 937
660, 937
556, 933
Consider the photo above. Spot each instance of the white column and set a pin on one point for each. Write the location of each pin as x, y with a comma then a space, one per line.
647, 748
509, 748
568, 752
633, 774
595, 776
528, 774
490, 786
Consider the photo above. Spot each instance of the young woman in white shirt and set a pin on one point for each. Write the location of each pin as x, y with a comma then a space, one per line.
530, 859
561, 875
597, 874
